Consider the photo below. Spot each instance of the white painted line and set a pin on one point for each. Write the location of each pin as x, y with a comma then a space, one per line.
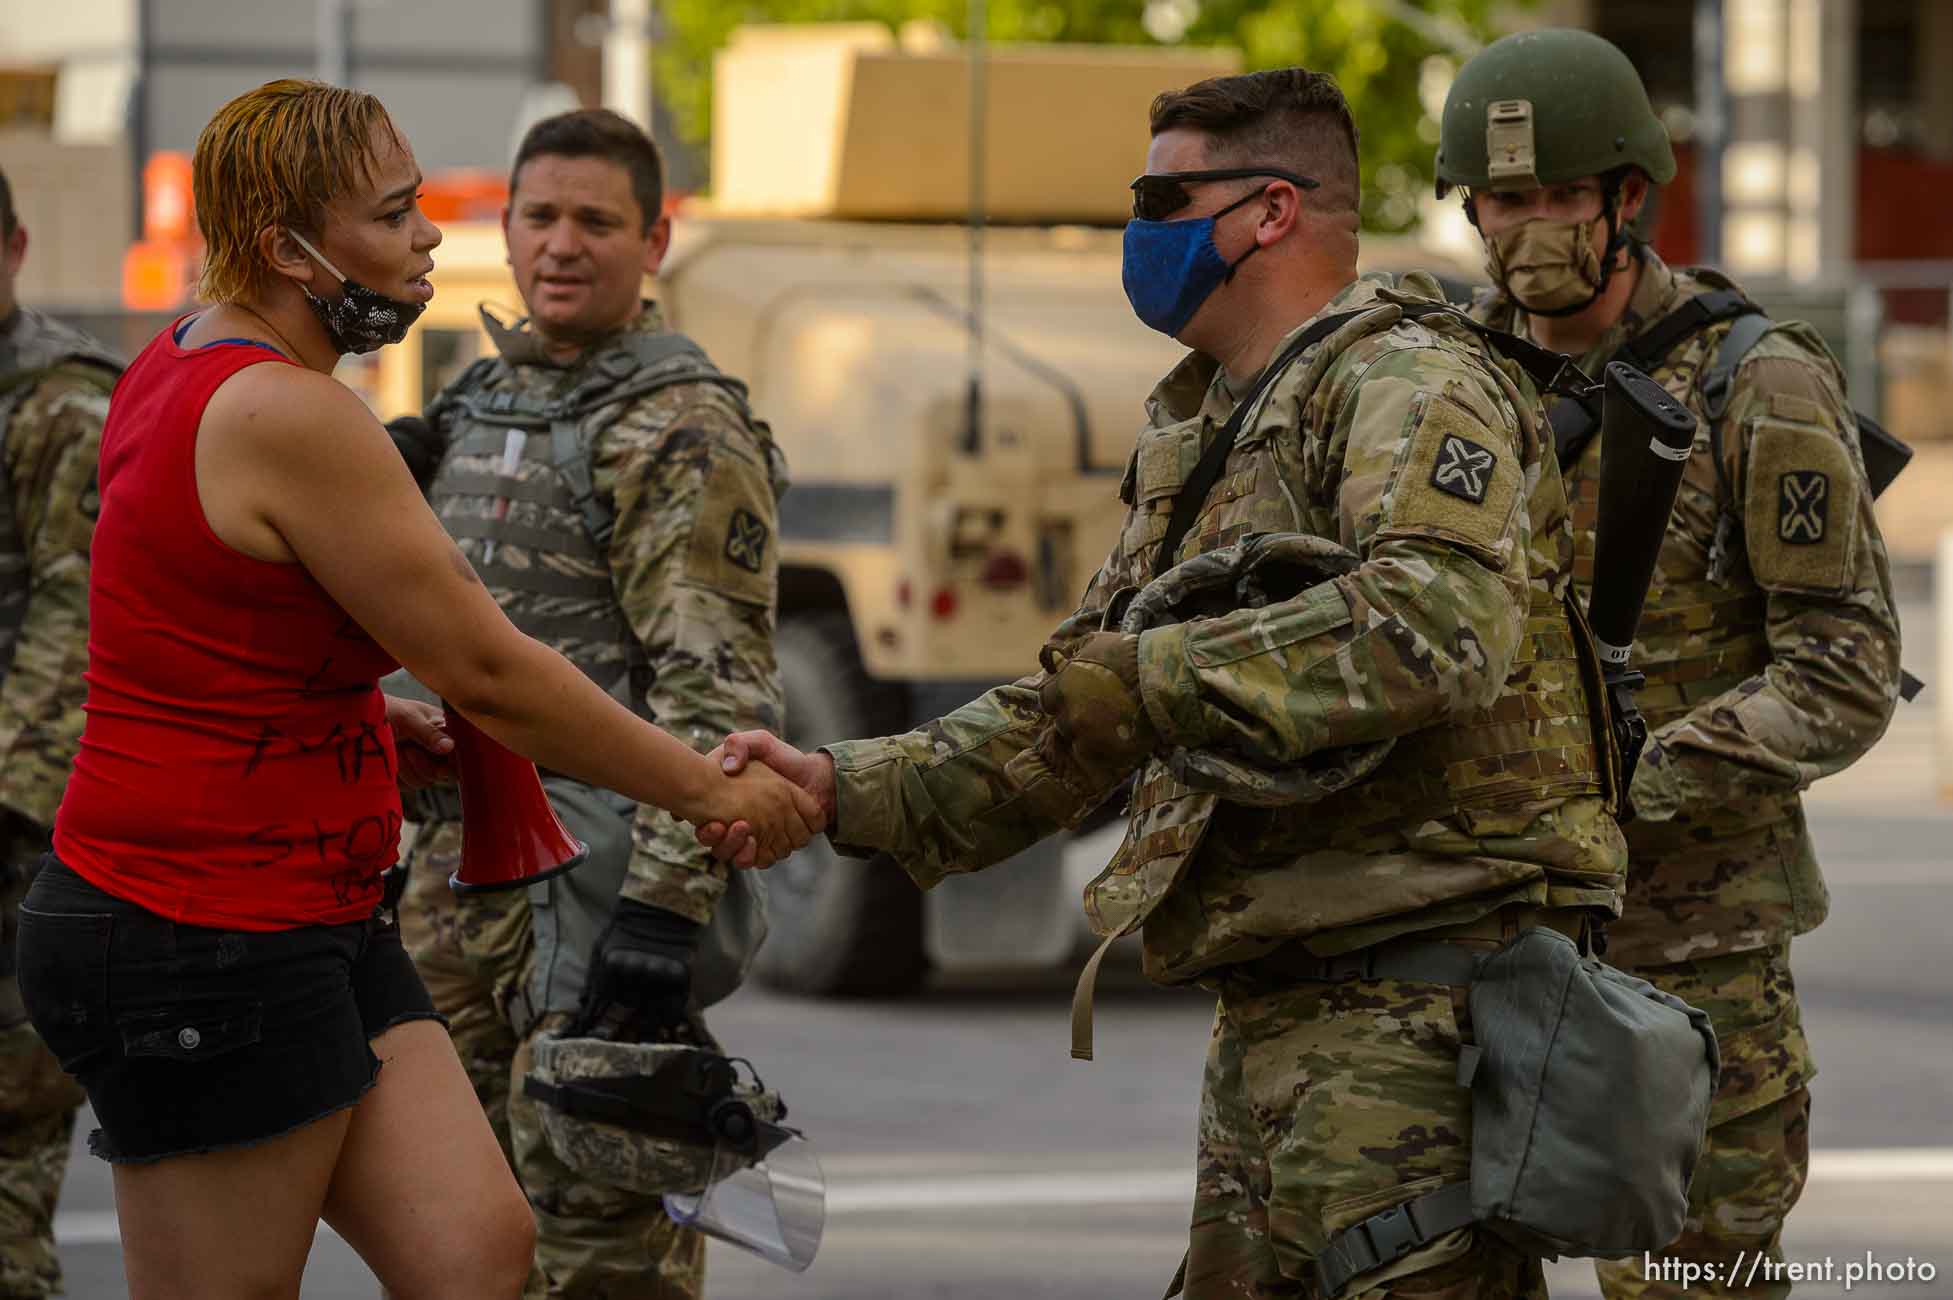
1175, 1186
1135, 1187
86, 1228
1125, 1187
1883, 1165
1887, 873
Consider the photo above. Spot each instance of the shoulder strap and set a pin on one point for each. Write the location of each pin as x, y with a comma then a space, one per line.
1576, 417
571, 456
1549, 371
1750, 327
1652, 346
1576, 423
585, 400
639, 366
1193, 494
459, 392
656, 349
1717, 384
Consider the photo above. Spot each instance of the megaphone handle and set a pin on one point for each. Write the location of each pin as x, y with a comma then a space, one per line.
393, 883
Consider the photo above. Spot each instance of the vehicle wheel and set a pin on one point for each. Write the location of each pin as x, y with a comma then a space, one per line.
837, 926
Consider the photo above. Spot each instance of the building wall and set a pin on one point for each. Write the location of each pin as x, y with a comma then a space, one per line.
452, 72
74, 200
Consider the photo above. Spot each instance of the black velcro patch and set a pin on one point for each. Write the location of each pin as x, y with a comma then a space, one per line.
746, 541
1463, 469
1803, 506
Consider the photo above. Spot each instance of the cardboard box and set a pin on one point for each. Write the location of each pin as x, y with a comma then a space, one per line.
836, 121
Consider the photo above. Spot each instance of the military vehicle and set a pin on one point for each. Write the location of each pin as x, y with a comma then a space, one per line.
954, 472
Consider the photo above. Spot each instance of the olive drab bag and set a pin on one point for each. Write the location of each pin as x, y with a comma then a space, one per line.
1590, 1100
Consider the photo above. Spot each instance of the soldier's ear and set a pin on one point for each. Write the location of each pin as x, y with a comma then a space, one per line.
14, 248
657, 242
1282, 207
1634, 195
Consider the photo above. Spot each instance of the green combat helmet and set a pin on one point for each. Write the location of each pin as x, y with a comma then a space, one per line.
1543, 108
675, 1120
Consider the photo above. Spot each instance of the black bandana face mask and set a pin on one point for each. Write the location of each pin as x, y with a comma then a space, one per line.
362, 320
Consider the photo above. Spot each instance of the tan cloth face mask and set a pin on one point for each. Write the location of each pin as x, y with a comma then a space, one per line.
1545, 266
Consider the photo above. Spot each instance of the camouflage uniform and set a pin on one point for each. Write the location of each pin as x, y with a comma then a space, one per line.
676, 616
54, 386
1771, 645
1323, 1103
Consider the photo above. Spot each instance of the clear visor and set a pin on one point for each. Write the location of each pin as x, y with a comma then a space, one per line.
776, 1208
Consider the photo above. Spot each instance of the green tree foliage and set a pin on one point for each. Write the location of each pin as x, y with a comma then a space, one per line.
1393, 58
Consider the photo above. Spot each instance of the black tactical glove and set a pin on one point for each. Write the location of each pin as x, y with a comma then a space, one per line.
640, 985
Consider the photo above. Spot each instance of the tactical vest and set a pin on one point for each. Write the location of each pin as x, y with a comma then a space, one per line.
1531, 749
1702, 633
32, 346
577, 612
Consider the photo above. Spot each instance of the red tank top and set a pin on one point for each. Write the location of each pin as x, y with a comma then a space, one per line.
236, 768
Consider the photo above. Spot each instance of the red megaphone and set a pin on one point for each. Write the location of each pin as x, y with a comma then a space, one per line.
510, 836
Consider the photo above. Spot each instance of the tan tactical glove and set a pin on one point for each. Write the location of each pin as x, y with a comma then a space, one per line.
1099, 732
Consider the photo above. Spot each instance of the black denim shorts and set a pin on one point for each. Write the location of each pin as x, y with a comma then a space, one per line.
193, 1039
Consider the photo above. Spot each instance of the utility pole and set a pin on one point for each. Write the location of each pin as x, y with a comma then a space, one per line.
979, 15
1711, 129
334, 26
627, 61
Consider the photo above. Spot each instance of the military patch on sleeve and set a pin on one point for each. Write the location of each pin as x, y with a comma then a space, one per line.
1800, 508
1456, 480
1803, 501
1463, 468
731, 550
746, 537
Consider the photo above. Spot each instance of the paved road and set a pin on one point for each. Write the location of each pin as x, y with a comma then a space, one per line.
969, 1158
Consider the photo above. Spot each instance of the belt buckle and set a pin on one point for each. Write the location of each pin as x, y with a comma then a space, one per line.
1391, 1233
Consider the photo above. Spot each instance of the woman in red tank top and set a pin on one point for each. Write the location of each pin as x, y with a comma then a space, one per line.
203, 950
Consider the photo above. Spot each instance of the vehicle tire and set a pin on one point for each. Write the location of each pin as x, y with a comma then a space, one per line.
837, 926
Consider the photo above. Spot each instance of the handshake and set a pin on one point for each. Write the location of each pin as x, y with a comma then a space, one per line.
1096, 734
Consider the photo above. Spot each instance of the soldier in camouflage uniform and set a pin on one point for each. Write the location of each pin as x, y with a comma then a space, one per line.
54, 388
1769, 640
632, 529
1407, 449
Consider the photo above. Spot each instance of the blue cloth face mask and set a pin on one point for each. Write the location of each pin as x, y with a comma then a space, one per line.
1170, 267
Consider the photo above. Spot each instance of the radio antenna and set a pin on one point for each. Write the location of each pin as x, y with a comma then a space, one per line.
973, 432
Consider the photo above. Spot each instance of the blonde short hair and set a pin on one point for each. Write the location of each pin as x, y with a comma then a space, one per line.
275, 156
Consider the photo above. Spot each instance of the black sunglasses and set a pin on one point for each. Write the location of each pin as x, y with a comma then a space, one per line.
1157, 197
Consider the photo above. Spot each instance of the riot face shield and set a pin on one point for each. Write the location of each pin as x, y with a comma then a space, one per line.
776, 1207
